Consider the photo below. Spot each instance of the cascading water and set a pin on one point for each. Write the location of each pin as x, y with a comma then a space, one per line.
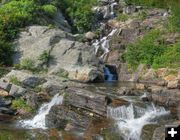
103, 43
131, 119
108, 75
39, 120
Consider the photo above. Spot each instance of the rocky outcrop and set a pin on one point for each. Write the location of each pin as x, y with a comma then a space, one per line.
62, 53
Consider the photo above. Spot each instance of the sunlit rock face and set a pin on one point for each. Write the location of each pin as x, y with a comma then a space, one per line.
64, 53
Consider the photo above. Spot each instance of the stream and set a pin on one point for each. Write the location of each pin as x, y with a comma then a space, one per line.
129, 119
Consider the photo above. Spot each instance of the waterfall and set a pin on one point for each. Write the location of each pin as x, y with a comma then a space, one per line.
130, 120
39, 120
108, 75
103, 43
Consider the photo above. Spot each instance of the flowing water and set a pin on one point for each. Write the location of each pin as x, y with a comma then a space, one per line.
108, 75
104, 43
131, 119
39, 120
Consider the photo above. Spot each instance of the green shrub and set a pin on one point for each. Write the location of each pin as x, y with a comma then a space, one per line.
144, 50
122, 17
14, 80
3, 71
21, 104
27, 64
49, 9
170, 58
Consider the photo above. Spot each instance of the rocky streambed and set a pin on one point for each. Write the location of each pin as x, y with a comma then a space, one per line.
109, 111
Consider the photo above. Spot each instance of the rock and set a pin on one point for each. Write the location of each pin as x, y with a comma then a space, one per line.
19, 74
148, 131
32, 82
3, 93
118, 102
162, 72
170, 78
4, 85
162, 83
173, 84
77, 58
129, 9
59, 116
17, 91
5, 110
90, 35
85, 99
166, 97
140, 87
4, 102
5, 117
159, 133
150, 75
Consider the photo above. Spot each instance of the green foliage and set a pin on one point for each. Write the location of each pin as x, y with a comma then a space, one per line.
49, 9
14, 80
143, 15
45, 57
122, 17
3, 71
144, 50
170, 58
79, 13
21, 104
63, 73
27, 64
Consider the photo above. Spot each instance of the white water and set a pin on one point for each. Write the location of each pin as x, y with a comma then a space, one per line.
39, 120
103, 43
131, 119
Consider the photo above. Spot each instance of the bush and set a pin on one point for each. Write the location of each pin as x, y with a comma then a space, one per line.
49, 9
27, 64
21, 104
144, 50
170, 58
14, 80
122, 17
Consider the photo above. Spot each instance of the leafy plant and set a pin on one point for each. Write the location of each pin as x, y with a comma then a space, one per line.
144, 50
21, 104
14, 80
49, 9
27, 64
122, 17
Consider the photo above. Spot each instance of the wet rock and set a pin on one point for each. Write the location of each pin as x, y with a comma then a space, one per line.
159, 133
148, 131
87, 100
5, 110
60, 116
4, 102
166, 97
5, 117
118, 102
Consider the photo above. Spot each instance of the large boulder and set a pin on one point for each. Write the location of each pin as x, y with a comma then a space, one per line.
76, 60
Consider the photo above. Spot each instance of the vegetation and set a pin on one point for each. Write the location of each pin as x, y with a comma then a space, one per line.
79, 13
27, 64
14, 80
21, 104
152, 51
122, 17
